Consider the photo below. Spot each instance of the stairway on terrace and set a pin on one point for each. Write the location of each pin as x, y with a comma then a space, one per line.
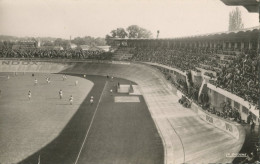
122, 54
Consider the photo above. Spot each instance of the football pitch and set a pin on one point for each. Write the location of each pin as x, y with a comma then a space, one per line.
104, 132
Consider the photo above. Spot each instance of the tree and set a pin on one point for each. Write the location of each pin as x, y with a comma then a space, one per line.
143, 33
119, 32
61, 42
132, 31
78, 41
100, 41
58, 42
235, 20
135, 31
88, 40
108, 41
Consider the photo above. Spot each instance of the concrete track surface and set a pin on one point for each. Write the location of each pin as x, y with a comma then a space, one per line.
186, 138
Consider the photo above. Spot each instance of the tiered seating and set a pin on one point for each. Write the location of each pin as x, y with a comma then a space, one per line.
235, 74
241, 77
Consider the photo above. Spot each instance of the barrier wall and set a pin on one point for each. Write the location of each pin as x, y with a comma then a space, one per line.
167, 67
25, 65
229, 127
45, 65
216, 99
218, 95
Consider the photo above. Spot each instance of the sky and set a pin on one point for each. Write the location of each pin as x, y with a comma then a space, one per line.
96, 18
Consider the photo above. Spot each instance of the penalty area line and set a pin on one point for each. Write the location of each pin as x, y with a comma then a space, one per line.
90, 125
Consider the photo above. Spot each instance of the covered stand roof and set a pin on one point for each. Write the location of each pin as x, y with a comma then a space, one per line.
250, 5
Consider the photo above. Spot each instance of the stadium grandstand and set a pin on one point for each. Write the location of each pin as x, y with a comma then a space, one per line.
250, 5
25, 45
225, 63
218, 71
192, 99
215, 72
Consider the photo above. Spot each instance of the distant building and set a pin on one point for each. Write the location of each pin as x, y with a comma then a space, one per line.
84, 47
25, 45
104, 48
39, 44
95, 49
73, 46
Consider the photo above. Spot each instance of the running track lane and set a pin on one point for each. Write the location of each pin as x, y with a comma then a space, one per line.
83, 143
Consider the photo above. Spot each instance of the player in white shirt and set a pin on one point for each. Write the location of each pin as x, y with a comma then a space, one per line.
71, 100
64, 77
29, 95
76, 82
60, 93
35, 81
91, 101
48, 80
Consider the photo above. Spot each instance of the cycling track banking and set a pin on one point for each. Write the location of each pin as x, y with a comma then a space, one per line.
186, 137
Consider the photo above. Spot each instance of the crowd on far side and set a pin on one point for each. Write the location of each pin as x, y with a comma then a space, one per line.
45, 53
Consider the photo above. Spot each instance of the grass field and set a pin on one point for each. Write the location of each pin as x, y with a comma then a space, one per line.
105, 132
27, 126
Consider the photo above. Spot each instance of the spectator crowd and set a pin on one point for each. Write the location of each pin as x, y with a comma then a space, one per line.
236, 74
45, 53
182, 59
241, 77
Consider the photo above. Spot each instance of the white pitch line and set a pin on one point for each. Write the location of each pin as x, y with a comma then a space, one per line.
90, 125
